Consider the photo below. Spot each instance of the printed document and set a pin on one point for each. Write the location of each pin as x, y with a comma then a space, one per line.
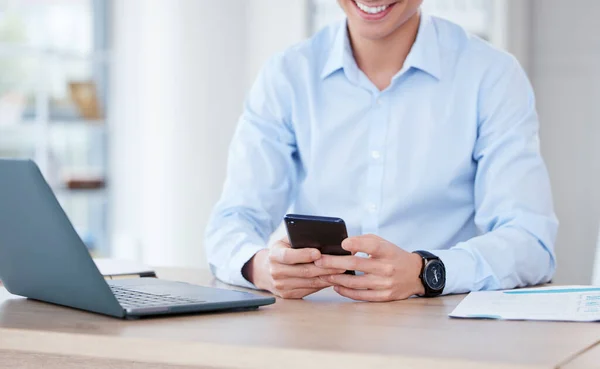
565, 303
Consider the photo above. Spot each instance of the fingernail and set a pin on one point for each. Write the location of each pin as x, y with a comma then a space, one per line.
336, 288
315, 254
318, 262
347, 243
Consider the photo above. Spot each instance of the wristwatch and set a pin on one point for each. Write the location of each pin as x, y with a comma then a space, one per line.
433, 274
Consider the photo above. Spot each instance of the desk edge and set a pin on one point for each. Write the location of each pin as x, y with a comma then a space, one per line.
216, 355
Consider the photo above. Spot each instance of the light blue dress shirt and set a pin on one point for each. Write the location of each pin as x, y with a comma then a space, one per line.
446, 159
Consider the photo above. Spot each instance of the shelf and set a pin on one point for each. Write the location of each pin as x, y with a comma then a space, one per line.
68, 122
78, 125
19, 50
32, 124
101, 193
96, 123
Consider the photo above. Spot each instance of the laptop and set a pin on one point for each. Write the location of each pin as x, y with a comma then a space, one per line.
43, 258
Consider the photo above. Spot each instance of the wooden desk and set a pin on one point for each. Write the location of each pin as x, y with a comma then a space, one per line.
588, 359
324, 330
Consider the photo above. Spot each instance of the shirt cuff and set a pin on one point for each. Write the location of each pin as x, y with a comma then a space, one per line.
460, 270
238, 261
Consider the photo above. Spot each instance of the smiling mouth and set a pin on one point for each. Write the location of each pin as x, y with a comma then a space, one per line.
373, 13
372, 10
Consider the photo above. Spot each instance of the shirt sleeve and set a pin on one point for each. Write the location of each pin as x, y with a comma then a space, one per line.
513, 200
261, 173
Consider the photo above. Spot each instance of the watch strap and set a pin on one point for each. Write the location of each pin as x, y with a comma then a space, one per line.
426, 255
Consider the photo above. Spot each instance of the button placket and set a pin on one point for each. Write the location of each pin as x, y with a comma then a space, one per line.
376, 143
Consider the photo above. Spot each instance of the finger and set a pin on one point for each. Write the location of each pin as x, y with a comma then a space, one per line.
283, 243
365, 295
298, 293
309, 270
366, 281
369, 244
286, 255
349, 263
296, 283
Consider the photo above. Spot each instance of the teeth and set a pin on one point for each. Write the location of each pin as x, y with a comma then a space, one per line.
371, 10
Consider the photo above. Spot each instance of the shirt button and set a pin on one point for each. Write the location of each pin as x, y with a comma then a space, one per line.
375, 154
371, 208
378, 101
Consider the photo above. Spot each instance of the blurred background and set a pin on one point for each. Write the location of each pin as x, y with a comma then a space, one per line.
128, 107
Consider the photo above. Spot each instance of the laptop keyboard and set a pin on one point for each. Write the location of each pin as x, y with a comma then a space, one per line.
137, 299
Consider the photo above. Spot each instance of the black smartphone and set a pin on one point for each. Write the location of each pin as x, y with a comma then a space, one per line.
322, 233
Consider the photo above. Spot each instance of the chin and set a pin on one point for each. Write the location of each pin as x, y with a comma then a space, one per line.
377, 19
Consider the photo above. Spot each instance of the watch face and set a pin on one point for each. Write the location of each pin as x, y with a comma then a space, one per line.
435, 275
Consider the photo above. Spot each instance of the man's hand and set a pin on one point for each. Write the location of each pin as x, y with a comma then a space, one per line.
390, 273
288, 273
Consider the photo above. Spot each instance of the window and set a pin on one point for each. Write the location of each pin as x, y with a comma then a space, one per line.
53, 74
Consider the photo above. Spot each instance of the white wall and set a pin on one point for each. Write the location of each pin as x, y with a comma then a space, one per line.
596, 270
181, 70
565, 71
177, 91
272, 26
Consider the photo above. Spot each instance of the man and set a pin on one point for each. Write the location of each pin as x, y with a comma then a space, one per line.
421, 137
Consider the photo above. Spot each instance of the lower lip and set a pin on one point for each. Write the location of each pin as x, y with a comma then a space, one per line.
373, 17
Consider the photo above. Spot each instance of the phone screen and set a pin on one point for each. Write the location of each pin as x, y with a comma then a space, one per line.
322, 233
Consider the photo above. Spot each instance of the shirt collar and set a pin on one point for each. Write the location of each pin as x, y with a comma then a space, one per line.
424, 54
339, 52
